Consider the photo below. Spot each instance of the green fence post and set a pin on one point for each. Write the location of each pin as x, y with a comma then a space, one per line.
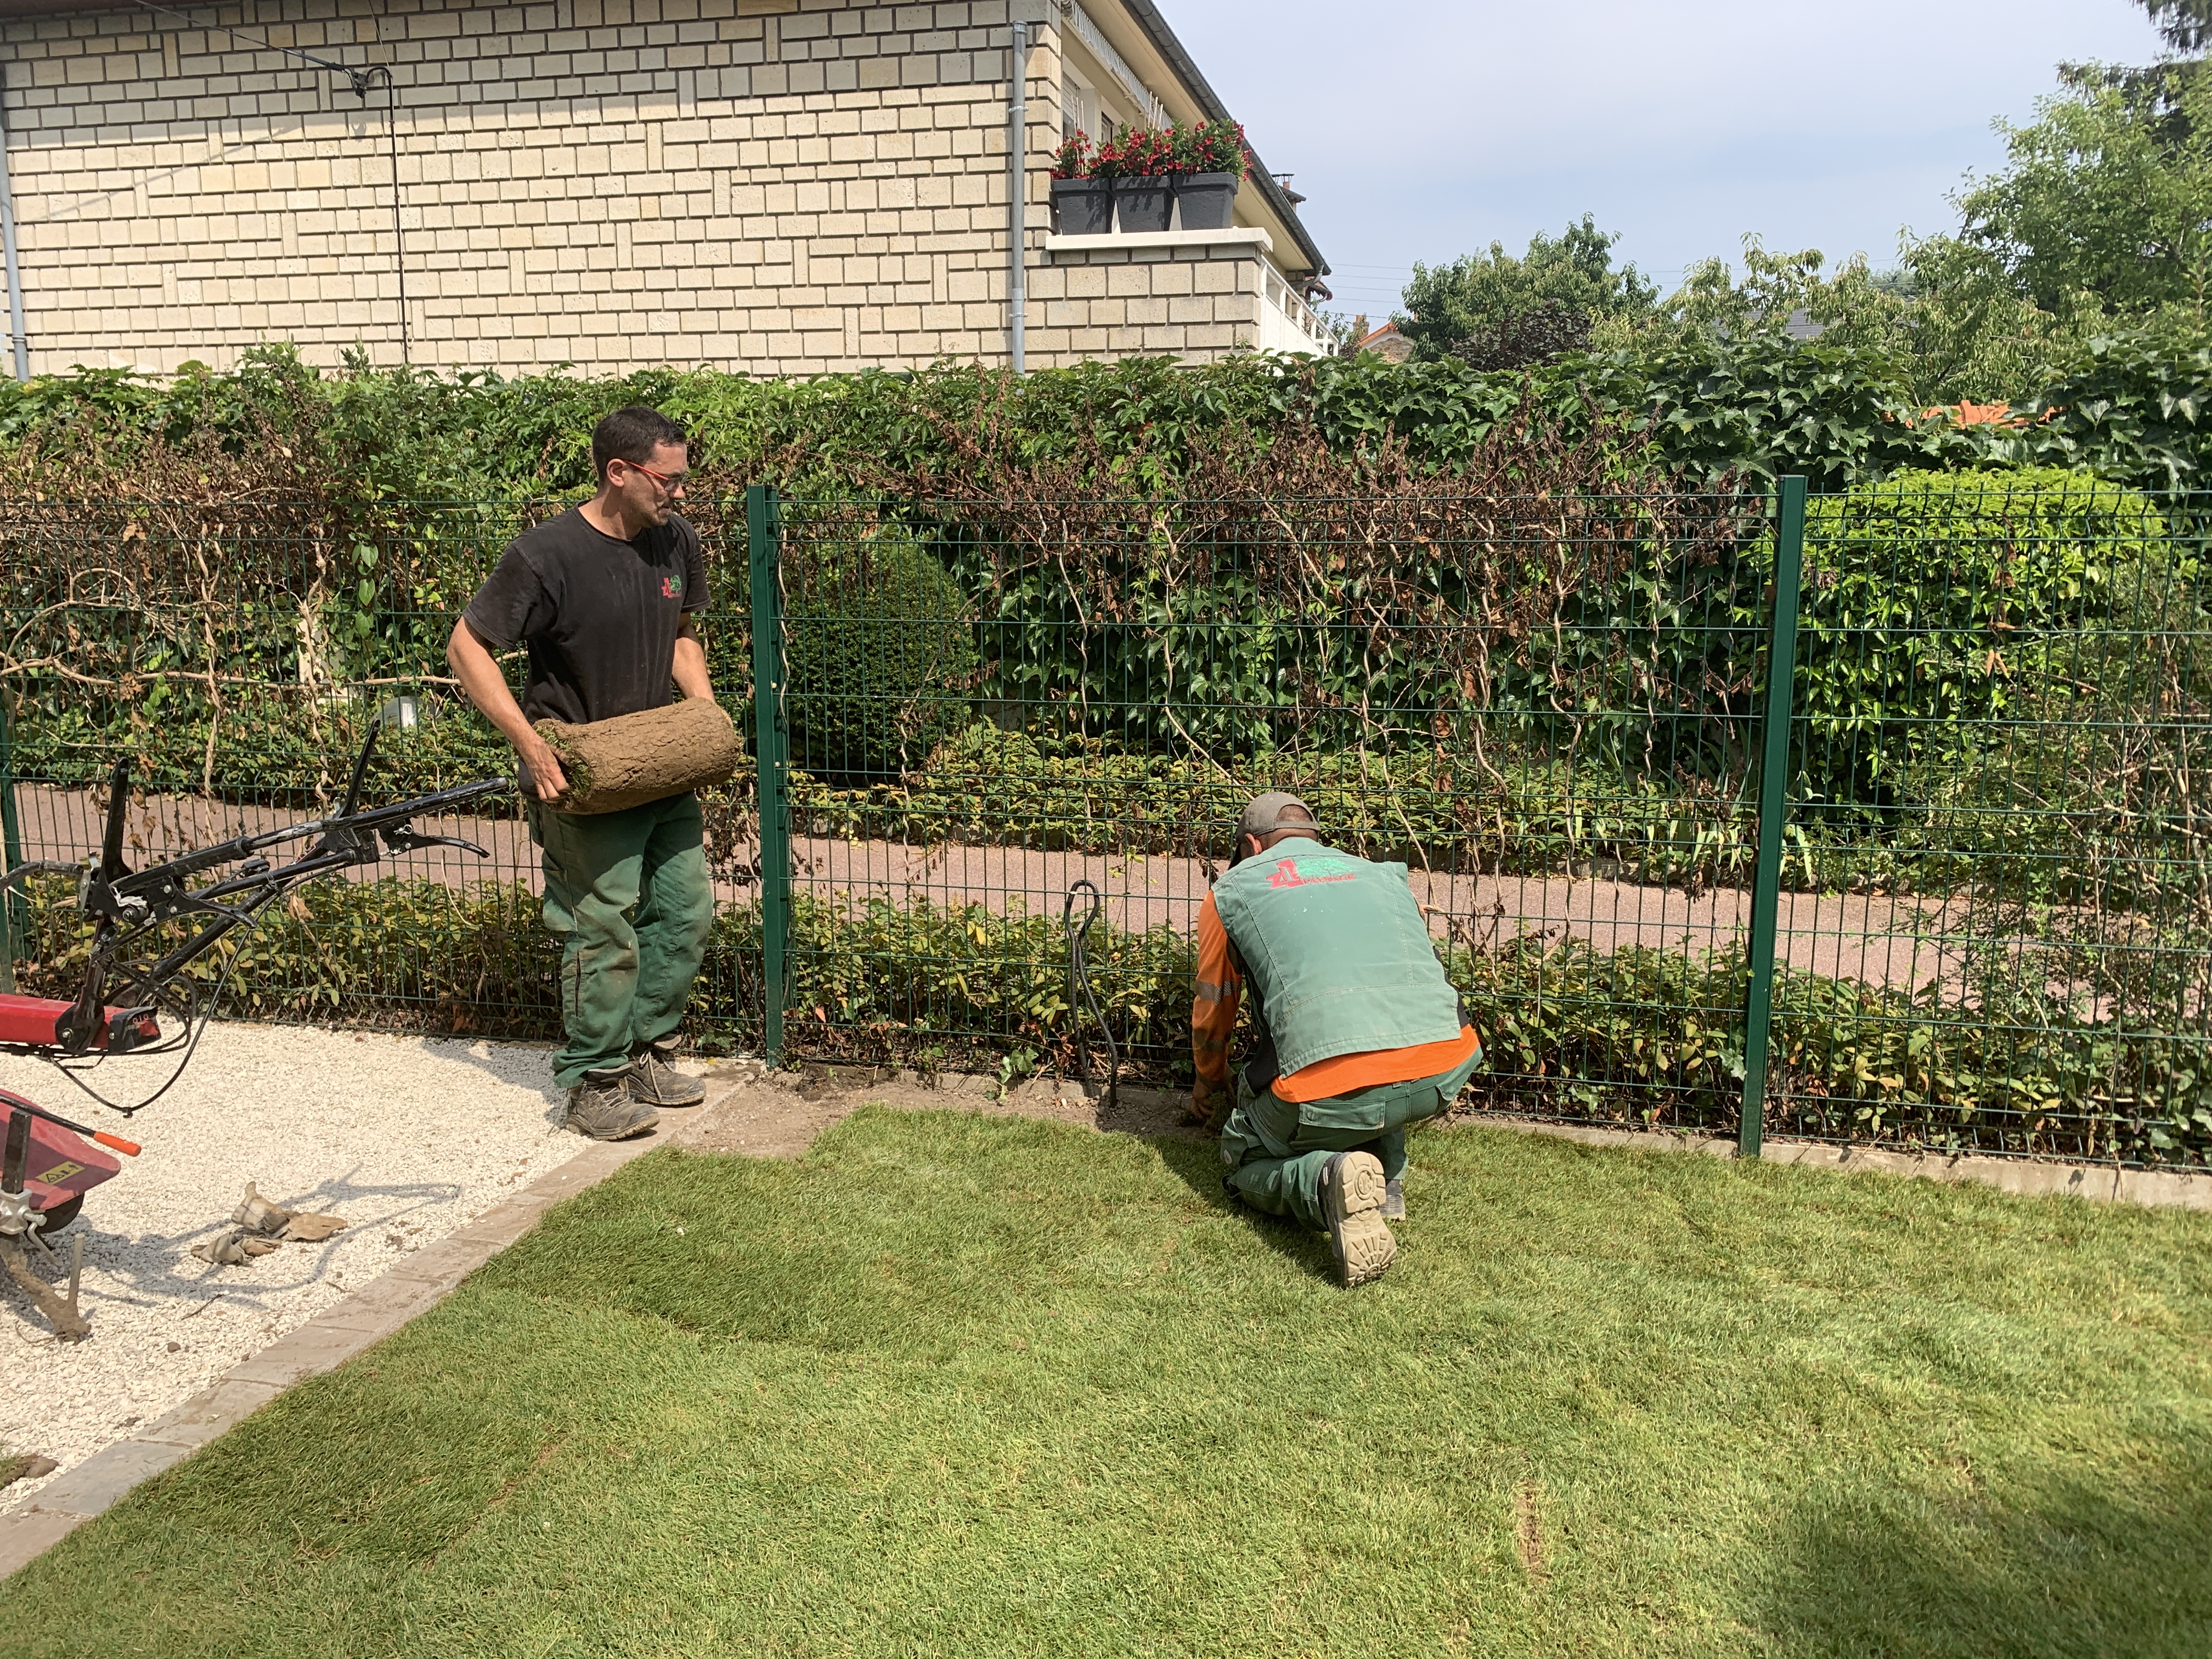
1774, 781
11, 848
763, 538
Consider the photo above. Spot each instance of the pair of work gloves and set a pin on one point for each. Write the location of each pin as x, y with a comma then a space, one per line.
257, 1226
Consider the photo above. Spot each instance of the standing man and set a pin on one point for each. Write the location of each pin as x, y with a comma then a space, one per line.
1360, 1034
603, 596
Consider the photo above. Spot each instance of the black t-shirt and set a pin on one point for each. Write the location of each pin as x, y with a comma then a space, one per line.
599, 615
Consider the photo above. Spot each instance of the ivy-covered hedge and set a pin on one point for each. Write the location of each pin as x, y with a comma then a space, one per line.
365, 440
2132, 410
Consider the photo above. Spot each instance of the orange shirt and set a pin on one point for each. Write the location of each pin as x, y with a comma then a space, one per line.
1213, 1016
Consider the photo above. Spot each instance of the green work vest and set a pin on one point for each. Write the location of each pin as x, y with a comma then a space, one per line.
1338, 952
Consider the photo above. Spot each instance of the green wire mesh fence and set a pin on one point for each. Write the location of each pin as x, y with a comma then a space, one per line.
237, 656
1996, 913
1943, 884
1442, 680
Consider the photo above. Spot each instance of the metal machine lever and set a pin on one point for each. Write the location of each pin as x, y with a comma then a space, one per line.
402, 838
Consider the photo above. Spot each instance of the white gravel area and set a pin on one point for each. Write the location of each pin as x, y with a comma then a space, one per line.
407, 1139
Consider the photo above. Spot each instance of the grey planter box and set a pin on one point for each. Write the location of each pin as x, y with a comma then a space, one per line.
1083, 207
1209, 200
1143, 204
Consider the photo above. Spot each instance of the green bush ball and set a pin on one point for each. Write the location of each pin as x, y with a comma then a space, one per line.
879, 647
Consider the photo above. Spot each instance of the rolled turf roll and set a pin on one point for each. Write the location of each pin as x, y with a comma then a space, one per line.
649, 755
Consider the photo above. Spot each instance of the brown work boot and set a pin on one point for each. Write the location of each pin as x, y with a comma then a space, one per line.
600, 1107
1351, 1202
657, 1083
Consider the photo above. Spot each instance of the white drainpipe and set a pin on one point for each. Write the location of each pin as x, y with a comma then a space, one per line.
1018, 230
8, 246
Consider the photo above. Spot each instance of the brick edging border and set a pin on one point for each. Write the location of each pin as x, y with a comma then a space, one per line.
329, 1339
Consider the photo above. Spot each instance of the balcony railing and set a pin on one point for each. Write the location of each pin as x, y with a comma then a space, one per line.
1298, 315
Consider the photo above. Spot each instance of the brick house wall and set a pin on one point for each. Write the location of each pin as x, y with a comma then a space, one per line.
784, 186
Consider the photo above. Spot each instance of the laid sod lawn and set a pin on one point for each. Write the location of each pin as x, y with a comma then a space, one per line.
964, 1385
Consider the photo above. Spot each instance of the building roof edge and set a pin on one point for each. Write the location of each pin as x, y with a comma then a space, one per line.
1146, 16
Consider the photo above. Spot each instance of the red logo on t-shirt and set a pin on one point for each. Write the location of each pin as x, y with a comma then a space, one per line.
672, 587
1286, 874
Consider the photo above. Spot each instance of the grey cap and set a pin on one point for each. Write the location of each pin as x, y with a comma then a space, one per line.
1265, 815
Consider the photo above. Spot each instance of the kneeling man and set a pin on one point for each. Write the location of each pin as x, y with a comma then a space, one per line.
1360, 1033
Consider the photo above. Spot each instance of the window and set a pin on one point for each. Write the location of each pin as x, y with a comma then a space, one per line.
1079, 107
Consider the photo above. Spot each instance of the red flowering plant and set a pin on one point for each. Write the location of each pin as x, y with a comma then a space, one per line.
1073, 159
1211, 147
1135, 154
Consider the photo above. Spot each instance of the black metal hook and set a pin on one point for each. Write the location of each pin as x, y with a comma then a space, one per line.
1079, 982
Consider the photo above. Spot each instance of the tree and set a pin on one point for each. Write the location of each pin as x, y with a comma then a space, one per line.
1781, 293
2186, 24
1546, 330
1968, 334
1564, 278
2103, 214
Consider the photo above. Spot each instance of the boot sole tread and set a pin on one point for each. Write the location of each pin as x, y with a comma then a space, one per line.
1364, 1247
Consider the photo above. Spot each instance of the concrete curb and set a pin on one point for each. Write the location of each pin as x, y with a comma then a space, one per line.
2026, 1177
331, 1339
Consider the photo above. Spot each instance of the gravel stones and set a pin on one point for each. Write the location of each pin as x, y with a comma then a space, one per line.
406, 1138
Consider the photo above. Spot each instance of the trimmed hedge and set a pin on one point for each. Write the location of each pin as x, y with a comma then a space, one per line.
879, 645
1936, 605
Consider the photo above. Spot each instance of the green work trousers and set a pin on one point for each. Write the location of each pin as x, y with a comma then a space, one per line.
628, 896
1275, 1149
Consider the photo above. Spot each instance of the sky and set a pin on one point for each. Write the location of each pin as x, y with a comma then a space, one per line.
1421, 129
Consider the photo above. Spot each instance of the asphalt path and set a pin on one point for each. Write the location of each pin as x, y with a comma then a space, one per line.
1875, 938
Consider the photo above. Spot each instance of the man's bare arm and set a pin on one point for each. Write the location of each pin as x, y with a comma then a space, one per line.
473, 666
690, 669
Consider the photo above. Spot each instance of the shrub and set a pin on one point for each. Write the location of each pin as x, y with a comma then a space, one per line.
1525, 814
393, 952
270, 745
1937, 604
1637, 1035
879, 645
1656, 1037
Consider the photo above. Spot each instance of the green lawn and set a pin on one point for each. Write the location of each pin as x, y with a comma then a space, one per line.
966, 1385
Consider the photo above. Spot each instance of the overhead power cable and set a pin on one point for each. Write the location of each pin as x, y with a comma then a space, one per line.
364, 81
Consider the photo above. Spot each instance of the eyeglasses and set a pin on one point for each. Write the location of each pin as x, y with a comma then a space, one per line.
668, 482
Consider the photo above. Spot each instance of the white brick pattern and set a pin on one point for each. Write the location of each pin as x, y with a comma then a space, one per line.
783, 187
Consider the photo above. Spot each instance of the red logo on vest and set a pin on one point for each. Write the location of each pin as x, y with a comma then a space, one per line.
1286, 873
